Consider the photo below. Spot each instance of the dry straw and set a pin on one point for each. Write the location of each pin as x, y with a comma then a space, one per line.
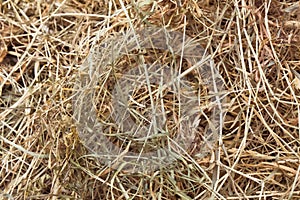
255, 46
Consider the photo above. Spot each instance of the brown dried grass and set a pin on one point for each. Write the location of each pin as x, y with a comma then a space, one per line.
256, 48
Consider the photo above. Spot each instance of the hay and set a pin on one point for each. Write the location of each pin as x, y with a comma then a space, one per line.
255, 46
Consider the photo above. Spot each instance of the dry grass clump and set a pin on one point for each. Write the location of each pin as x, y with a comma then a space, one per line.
255, 46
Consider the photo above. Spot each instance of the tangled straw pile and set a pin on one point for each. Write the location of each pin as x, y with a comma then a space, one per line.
255, 46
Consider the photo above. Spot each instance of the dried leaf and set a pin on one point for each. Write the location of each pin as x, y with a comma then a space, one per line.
3, 50
296, 81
